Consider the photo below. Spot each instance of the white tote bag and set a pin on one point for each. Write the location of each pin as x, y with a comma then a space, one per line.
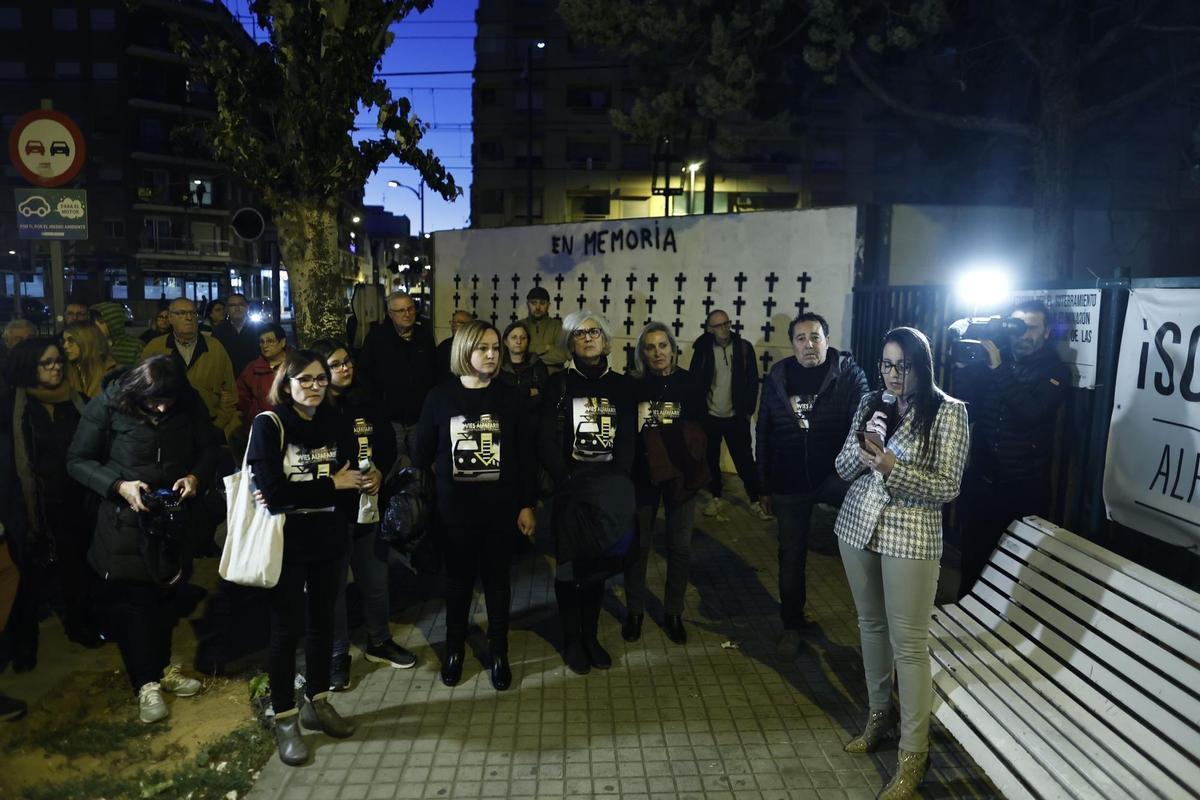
253, 553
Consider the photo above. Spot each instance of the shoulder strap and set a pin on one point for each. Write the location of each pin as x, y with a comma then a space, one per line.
278, 424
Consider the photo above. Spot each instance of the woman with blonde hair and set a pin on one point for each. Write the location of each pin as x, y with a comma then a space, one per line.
88, 358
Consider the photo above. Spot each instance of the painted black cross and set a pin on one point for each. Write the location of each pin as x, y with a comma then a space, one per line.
457, 282
737, 327
474, 301
652, 280
650, 304
606, 281
493, 315
495, 286
558, 279
678, 301
537, 279
604, 301
709, 280
457, 298
741, 280
708, 304
628, 356
767, 330
582, 300
769, 304
680, 280
629, 301
512, 317
495, 302
582, 281
557, 301
516, 298
801, 306
628, 326
631, 280
677, 325
766, 358
516, 281
475, 282
738, 303
771, 280
803, 280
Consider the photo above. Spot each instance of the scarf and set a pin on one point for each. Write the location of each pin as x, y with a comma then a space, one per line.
64, 392
49, 397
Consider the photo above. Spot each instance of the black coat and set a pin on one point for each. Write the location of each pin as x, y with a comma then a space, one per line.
566, 440
242, 347
111, 445
399, 371
794, 461
745, 371
1013, 410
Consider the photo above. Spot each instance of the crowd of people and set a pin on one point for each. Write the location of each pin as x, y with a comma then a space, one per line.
506, 421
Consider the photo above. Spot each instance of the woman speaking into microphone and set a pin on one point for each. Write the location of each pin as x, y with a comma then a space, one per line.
904, 465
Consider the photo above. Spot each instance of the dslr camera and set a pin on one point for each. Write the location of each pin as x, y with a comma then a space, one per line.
968, 334
164, 513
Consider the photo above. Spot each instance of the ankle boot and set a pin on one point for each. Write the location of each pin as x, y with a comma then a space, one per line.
500, 671
910, 770
452, 667
589, 617
292, 750
574, 656
631, 629
881, 725
318, 715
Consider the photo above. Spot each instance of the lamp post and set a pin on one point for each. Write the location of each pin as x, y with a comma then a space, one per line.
692, 169
420, 196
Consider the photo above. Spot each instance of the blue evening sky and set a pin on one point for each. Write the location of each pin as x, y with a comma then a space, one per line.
440, 40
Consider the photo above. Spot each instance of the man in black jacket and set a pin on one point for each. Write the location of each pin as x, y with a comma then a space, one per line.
807, 409
237, 334
1013, 402
724, 364
399, 364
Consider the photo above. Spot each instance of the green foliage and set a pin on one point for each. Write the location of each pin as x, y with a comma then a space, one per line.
230, 764
90, 737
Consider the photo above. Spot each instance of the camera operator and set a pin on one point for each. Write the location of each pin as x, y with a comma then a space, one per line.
145, 444
1013, 398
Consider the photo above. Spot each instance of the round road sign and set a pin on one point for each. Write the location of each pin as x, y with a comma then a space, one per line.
47, 148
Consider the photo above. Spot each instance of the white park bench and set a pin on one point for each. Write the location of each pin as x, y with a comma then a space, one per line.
1071, 672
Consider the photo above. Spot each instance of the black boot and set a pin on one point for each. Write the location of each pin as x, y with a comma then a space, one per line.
292, 750
574, 655
318, 715
631, 629
592, 596
673, 625
501, 672
452, 667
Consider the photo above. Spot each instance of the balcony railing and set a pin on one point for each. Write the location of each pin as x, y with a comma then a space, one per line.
178, 244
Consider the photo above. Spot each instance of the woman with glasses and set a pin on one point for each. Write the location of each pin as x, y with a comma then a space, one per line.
473, 432
214, 315
304, 463
88, 359
521, 368
904, 455
159, 326
586, 444
254, 384
40, 412
367, 556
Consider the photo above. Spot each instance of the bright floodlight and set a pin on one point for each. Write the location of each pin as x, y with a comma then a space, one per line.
395, 245
541, 45
12, 252
356, 219
984, 285
694, 168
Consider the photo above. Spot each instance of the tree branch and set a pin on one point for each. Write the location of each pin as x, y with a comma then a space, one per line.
1007, 22
1114, 37
967, 123
1094, 113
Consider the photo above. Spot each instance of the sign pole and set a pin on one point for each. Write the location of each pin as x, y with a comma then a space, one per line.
58, 280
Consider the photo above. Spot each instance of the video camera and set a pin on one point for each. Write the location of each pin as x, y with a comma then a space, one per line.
164, 513
968, 334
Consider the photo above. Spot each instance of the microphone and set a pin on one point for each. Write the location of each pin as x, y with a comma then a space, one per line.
887, 404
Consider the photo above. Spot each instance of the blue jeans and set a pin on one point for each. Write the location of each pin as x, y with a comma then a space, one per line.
368, 557
793, 513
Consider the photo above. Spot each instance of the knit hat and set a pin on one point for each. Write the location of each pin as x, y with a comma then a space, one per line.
114, 316
538, 293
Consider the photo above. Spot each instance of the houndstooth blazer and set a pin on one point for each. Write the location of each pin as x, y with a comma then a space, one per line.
901, 515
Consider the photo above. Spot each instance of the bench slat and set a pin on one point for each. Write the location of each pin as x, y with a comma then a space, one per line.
1174, 604
1130, 625
1014, 727
1069, 695
1047, 650
1135, 684
1055, 715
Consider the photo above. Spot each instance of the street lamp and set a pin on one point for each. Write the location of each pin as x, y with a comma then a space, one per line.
692, 169
420, 196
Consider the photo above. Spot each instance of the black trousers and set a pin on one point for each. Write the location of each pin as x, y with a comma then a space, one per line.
302, 607
483, 552
735, 431
986, 506
141, 618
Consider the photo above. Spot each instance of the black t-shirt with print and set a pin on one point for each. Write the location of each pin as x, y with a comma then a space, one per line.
803, 384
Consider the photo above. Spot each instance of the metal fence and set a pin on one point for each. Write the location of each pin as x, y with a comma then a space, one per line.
1081, 439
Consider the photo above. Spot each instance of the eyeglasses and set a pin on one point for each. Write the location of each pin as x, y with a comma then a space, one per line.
900, 368
50, 363
308, 381
347, 364
185, 314
718, 325
587, 333
406, 311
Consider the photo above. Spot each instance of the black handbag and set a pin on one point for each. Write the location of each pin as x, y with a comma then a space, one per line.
408, 523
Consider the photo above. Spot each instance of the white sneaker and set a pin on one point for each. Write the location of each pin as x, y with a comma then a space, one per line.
713, 508
757, 509
151, 707
178, 684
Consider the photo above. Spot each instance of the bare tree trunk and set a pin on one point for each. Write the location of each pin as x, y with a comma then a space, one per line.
308, 241
1053, 204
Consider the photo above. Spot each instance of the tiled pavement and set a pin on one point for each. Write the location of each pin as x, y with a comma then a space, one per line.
718, 718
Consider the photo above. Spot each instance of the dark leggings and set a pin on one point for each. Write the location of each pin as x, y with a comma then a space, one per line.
140, 617
306, 590
483, 552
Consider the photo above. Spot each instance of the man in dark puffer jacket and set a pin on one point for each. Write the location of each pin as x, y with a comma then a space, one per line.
807, 408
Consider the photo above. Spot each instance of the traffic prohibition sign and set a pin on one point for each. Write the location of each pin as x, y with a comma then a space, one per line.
47, 148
